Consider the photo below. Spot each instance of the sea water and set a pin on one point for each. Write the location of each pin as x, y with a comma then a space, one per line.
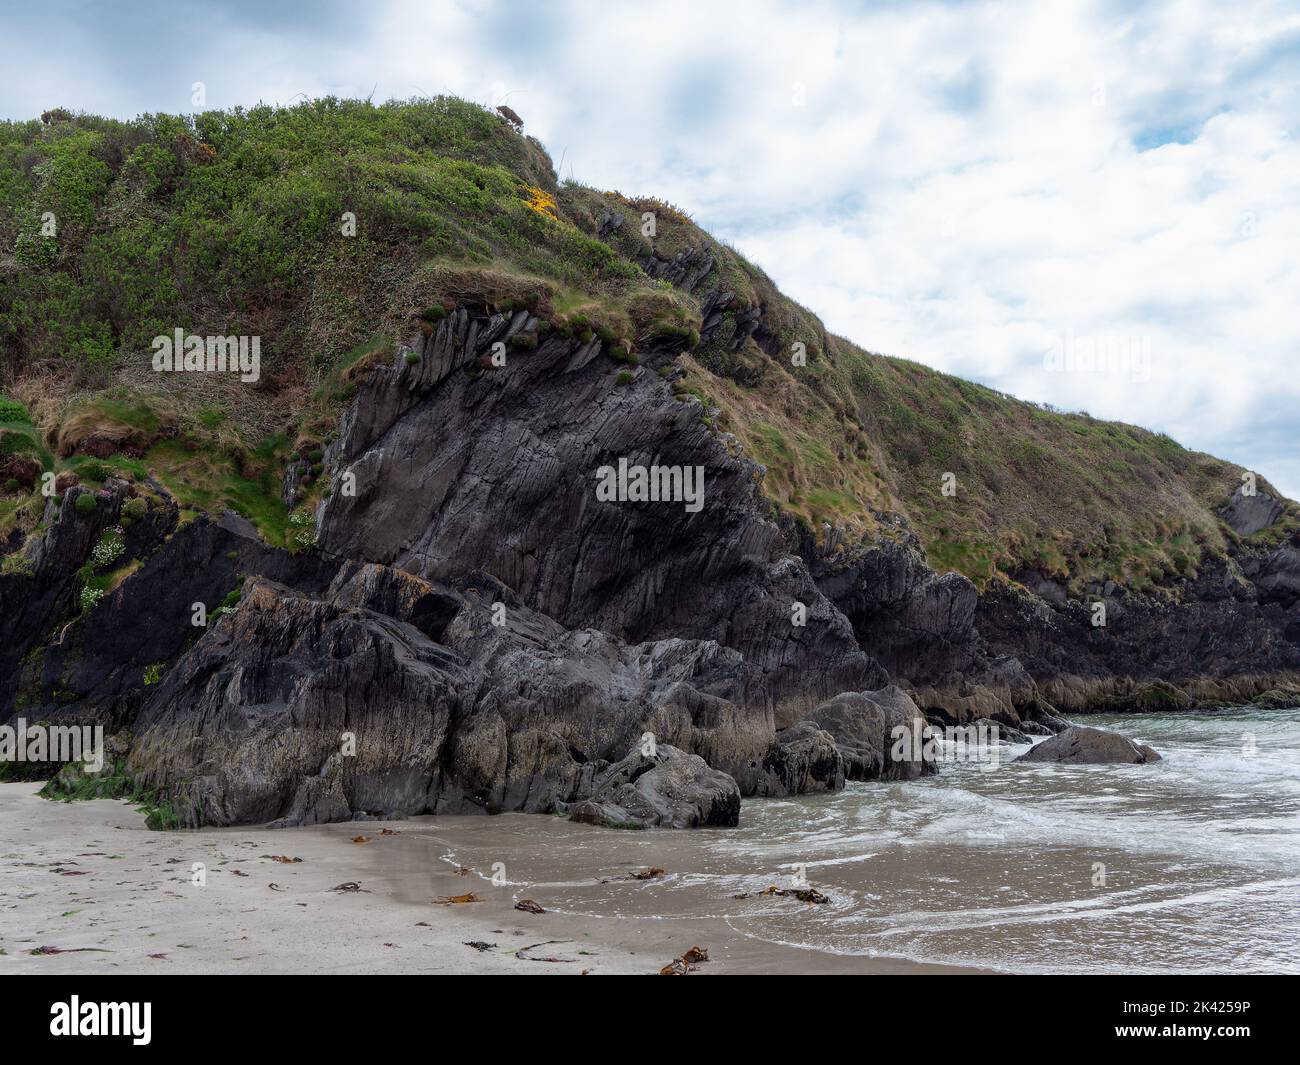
1190, 864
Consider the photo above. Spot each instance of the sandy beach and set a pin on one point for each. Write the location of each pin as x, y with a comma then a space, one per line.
89, 880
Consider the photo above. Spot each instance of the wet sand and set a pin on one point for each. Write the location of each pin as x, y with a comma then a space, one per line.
90, 880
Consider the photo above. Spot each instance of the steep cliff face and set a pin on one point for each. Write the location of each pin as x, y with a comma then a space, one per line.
63, 661
477, 630
1232, 633
920, 625
458, 466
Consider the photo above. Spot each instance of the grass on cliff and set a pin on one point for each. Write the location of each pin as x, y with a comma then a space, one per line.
312, 227
333, 227
292, 224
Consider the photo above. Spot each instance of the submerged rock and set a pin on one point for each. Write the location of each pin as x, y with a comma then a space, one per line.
1082, 745
1006, 733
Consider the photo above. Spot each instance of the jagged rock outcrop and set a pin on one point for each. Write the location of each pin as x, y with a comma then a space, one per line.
301, 709
459, 467
1248, 514
670, 788
1232, 632
478, 631
251, 724
1016, 653
38, 595
921, 627
93, 665
491, 633
1090, 746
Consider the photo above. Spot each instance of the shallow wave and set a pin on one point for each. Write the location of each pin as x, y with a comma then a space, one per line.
1188, 865
1198, 857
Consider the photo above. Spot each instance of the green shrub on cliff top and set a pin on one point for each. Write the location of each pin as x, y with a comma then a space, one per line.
332, 200
12, 411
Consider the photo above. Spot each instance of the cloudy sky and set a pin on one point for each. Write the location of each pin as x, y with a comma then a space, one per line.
1095, 205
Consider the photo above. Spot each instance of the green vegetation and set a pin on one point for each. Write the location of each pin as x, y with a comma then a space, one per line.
12, 411
16, 564
229, 222
302, 532
1075, 498
134, 510
73, 784
231, 601
102, 573
21, 438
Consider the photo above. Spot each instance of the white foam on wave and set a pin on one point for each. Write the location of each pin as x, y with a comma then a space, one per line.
1099, 907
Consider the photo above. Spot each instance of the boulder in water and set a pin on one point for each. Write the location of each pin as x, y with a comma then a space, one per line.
1082, 745
867, 727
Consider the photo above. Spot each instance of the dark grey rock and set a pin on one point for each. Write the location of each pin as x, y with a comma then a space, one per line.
1082, 745
672, 789
867, 727
495, 472
1248, 514
1005, 733
802, 759
476, 492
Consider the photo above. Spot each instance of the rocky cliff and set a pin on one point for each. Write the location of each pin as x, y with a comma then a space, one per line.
475, 630
428, 604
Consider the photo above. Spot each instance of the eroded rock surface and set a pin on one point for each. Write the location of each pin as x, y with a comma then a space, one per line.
671, 789
301, 709
866, 727
494, 471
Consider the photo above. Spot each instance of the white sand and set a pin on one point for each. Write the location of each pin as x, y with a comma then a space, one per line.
131, 899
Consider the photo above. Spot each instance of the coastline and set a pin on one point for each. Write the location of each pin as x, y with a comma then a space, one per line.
89, 879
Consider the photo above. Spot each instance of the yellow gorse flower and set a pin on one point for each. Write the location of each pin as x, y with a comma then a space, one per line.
541, 201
